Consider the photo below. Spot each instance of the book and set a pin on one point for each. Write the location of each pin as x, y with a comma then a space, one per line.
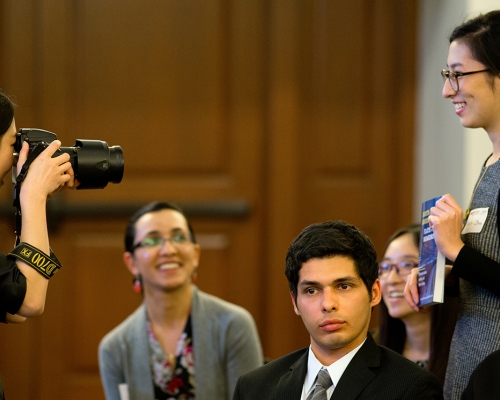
431, 262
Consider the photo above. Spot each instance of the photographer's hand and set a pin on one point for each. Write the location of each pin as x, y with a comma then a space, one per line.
45, 176
72, 183
15, 319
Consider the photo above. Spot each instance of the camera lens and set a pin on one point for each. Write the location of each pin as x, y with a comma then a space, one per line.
95, 163
116, 164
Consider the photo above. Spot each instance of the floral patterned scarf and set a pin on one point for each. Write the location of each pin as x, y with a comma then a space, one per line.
173, 379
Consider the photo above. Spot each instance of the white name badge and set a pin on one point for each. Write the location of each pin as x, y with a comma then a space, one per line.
476, 219
123, 389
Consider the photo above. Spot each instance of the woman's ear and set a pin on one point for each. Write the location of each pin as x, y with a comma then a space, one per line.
128, 259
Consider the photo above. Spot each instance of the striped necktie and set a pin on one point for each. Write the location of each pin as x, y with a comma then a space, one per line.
323, 382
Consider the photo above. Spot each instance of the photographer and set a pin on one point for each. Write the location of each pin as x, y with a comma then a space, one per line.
23, 287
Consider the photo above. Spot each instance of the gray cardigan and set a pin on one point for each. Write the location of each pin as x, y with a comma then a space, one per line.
226, 345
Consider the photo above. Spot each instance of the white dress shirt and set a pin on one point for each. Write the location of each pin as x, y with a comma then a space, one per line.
335, 370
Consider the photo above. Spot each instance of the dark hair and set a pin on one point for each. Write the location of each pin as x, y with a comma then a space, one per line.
482, 36
412, 229
149, 208
330, 239
6, 112
392, 331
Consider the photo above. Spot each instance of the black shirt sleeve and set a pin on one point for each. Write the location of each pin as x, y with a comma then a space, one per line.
12, 287
477, 268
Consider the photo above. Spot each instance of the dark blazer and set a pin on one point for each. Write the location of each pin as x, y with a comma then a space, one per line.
375, 372
484, 383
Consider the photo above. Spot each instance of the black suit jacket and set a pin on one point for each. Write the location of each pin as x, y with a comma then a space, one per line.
484, 383
375, 372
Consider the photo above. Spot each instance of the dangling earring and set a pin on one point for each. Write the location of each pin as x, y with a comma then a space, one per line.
137, 284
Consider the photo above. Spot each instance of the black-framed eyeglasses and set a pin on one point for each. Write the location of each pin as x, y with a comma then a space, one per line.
403, 268
453, 76
157, 241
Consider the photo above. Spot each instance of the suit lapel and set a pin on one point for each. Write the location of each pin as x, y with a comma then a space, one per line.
290, 384
359, 372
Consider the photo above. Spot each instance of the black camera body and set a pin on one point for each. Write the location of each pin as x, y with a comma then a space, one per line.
93, 161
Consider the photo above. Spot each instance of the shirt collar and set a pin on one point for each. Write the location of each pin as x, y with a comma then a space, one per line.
335, 370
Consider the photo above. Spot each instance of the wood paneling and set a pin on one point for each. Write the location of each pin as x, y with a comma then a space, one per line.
336, 146
298, 109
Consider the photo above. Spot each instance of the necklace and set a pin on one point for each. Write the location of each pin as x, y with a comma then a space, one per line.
467, 212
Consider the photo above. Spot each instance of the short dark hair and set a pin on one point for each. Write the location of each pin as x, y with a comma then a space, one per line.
330, 239
149, 208
482, 36
6, 112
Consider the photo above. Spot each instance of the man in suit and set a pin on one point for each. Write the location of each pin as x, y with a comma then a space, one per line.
332, 272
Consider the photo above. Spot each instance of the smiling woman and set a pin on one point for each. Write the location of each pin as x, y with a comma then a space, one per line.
421, 337
470, 86
181, 342
473, 87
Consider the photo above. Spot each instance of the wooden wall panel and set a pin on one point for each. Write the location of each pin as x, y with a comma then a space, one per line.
334, 114
166, 84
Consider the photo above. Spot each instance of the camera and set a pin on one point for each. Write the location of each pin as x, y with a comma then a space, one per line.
93, 161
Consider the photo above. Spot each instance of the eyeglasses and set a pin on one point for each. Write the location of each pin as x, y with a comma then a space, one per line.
453, 77
403, 269
151, 242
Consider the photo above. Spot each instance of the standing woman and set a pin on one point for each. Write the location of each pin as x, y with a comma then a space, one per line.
472, 83
423, 338
23, 288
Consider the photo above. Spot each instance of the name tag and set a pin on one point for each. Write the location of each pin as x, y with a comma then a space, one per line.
123, 389
476, 219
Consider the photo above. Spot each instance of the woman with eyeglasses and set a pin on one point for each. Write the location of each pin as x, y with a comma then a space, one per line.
422, 337
472, 241
181, 343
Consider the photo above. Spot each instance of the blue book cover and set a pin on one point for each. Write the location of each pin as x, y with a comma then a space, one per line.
431, 263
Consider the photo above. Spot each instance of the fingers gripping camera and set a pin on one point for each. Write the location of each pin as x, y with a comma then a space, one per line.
93, 161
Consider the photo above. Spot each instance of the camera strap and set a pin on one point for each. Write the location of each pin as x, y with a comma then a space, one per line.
44, 264
37, 259
19, 180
